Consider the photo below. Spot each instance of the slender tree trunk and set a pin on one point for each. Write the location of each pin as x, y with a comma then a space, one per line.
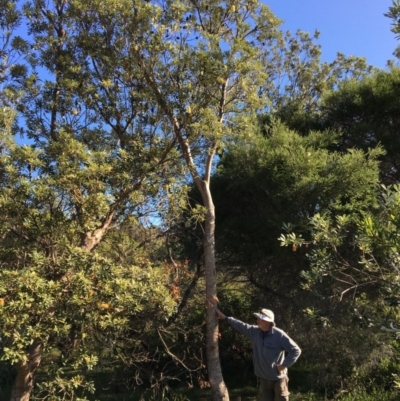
218, 387
23, 383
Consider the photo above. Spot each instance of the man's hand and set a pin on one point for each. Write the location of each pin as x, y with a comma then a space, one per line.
220, 315
280, 368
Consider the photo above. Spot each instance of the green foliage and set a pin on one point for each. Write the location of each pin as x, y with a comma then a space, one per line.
281, 176
360, 252
10, 19
111, 98
368, 395
55, 291
354, 259
61, 389
394, 15
289, 178
364, 110
297, 78
91, 166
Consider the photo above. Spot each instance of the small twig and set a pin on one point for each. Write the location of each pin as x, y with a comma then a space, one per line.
355, 287
174, 357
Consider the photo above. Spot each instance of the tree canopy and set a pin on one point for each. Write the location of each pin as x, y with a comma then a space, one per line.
154, 151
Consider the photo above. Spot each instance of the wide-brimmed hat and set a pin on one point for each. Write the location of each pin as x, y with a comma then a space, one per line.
267, 315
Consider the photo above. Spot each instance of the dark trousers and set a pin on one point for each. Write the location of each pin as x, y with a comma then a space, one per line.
274, 390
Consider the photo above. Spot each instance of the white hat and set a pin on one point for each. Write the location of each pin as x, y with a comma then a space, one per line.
266, 315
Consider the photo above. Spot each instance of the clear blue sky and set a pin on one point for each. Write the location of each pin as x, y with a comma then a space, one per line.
353, 27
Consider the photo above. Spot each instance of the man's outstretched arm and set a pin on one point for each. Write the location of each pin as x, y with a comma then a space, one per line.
243, 328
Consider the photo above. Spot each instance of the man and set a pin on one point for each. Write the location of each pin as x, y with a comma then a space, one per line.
269, 347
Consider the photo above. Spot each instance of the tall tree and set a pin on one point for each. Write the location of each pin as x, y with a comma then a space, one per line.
201, 62
366, 112
91, 162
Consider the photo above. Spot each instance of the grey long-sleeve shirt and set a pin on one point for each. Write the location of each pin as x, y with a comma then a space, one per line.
268, 349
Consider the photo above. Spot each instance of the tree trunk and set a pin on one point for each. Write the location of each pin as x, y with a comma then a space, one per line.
218, 387
23, 383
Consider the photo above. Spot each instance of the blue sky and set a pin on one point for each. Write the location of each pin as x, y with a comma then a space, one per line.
353, 27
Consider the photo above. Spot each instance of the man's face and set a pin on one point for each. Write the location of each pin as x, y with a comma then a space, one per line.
263, 325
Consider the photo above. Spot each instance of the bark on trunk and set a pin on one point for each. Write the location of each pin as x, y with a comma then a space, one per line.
23, 383
218, 388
